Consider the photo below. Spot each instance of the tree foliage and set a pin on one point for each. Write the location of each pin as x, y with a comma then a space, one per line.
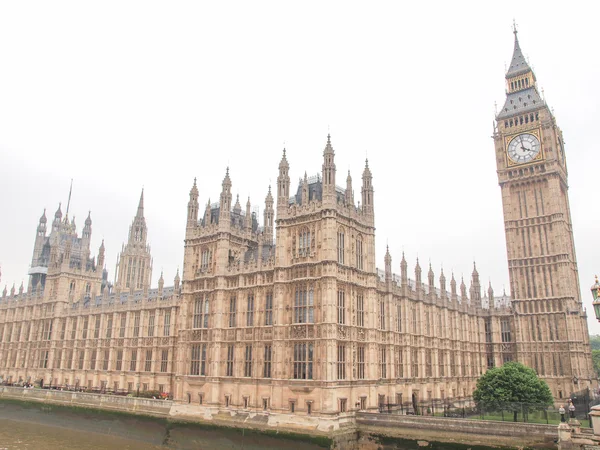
512, 387
596, 361
595, 342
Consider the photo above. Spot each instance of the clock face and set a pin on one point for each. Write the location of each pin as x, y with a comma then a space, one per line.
523, 148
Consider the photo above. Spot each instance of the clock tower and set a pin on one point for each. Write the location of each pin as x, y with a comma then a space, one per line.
550, 326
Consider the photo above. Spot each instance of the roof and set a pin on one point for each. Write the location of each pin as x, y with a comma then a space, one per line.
518, 65
520, 102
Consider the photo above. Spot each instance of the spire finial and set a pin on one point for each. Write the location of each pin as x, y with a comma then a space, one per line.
69, 201
515, 31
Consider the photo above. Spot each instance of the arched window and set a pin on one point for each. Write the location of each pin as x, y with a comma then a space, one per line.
359, 253
340, 245
304, 242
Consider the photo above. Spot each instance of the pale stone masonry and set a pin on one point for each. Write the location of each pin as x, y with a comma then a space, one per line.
292, 316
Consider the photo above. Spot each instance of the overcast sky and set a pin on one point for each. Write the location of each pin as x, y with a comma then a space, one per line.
124, 95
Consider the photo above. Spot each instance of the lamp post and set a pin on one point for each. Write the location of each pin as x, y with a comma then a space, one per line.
596, 303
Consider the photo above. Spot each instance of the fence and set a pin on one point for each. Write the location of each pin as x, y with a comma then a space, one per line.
509, 412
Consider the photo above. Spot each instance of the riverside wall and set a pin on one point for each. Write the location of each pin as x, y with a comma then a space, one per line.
351, 431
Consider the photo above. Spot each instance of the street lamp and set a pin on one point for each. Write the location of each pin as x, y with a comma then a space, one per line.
596, 294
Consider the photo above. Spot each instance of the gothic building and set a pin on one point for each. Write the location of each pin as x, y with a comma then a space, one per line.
291, 316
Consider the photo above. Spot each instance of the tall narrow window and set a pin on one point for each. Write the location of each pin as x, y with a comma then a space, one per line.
399, 318
81, 358
505, 330
250, 311
361, 362
381, 314
86, 324
195, 360
119, 364
340, 247
441, 363
267, 364
133, 361
341, 362
203, 360
341, 307
106, 360
428, 370
206, 311
232, 311
382, 362
122, 324
148, 362
197, 318
414, 359
109, 325
304, 242
248, 361
303, 361
164, 360
399, 364
93, 357
427, 324
151, 316
229, 367
136, 323
360, 310
359, 253
269, 309
97, 327
304, 305
167, 324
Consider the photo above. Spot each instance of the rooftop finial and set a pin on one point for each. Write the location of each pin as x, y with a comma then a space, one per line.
515, 27
69, 202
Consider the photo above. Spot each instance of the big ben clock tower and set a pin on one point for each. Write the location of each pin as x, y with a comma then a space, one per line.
550, 327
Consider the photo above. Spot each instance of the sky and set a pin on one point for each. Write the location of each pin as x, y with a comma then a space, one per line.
123, 95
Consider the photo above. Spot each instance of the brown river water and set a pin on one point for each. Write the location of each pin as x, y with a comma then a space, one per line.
44, 427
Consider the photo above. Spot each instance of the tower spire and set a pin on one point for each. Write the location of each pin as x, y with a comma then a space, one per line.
140, 210
69, 201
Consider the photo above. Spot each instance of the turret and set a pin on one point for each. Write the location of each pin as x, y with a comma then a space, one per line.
269, 215
475, 290
100, 264
4, 292
329, 195
248, 223
237, 208
367, 190
491, 296
193, 206
388, 265
304, 198
161, 284
431, 279
463, 291
57, 220
403, 271
21, 289
207, 214
453, 288
418, 274
176, 282
349, 193
40, 239
225, 203
87, 228
283, 185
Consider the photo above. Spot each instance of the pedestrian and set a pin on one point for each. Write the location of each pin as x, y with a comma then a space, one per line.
572, 410
561, 411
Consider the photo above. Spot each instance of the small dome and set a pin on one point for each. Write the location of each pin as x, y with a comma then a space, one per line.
43, 218
58, 213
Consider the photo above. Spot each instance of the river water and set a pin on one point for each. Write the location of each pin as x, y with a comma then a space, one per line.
46, 427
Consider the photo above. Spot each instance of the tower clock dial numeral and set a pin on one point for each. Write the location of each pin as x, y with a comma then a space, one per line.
523, 148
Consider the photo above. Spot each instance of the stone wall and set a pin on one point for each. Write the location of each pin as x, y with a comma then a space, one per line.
81, 399
373, 426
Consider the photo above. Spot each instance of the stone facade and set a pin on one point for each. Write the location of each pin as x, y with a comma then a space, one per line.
292, 317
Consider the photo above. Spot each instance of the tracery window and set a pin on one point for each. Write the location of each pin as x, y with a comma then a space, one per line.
303, 360
359, 253
340, 246
304, 242
304, 305
341, 306
341, 362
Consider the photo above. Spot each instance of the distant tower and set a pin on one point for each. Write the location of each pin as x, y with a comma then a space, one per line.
329, 194
367, 190
134, 266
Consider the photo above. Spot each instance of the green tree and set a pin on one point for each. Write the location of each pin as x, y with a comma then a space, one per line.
512, 387
595, 342
596, 361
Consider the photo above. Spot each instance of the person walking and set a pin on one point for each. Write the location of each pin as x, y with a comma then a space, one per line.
572, 410
561, 411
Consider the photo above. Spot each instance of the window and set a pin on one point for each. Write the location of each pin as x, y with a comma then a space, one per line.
309, 408
122, 325
340, 246
265, 402
81, 359
428, 363
93, 360
269, 309
62, 331
360, 310
148, 363
441, 363
164, 360
381, 314
97, 328
488, 331
232, 311
341, 362
303, 305
359, 253
229, 367
167, 324
151, 317
399, 364
73, 328
205, 259
399, 318
201, 308
250, 311
136, 324
109, 325
382, 363
84, 331
304, 242
505, 329
248, 362
303, 361
267, 364
57, 363
195, 360
44, 359
414, 359
361, 362
119, 365
427, 324
106, 360
133, 361
292, 406
341, 307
